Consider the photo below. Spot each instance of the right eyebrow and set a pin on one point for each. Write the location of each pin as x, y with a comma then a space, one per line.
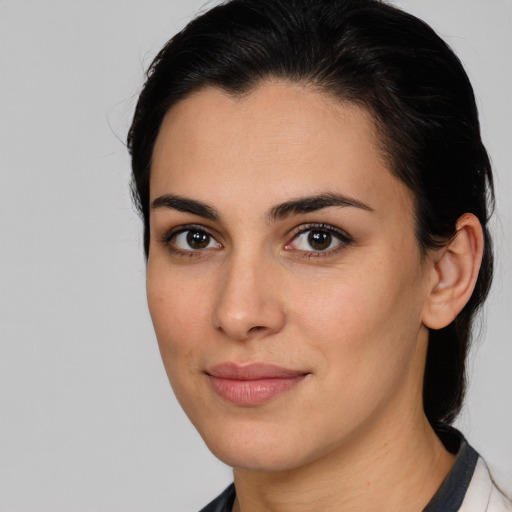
183, 204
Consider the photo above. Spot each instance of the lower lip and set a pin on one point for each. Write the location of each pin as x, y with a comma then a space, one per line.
252, 392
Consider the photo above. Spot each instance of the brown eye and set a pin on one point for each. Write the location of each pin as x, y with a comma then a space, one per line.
190, 240
198, 239
319, 240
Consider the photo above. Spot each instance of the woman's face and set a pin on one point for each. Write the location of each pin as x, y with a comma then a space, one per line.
284, 280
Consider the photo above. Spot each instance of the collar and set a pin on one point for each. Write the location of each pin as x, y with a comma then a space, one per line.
450, 495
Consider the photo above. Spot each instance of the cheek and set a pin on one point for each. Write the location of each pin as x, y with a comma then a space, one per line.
365, 322
177, 312
364, 340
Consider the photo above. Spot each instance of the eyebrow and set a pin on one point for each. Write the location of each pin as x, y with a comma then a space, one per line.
313, 204
183, 204
295, 206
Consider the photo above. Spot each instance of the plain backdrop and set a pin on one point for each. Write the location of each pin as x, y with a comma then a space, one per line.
87, 419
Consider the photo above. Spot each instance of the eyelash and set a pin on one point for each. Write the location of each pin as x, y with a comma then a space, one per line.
170, 237
344, 240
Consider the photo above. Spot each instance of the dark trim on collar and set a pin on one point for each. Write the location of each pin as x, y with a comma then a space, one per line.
223, 502
450, 494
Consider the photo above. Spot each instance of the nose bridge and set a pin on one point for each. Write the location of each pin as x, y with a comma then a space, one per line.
247, 304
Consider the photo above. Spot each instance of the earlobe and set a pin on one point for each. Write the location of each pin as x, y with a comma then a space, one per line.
455, 270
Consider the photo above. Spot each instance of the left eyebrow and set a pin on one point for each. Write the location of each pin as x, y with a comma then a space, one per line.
312, 204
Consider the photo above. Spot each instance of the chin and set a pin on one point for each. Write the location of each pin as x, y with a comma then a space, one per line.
259, 449
250, 448
257, 458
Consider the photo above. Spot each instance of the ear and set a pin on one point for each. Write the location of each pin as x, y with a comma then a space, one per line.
454, 273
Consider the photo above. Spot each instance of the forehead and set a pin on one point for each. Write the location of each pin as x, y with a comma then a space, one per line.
278, 141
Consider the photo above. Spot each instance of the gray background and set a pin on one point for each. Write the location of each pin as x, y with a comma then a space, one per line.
88, 421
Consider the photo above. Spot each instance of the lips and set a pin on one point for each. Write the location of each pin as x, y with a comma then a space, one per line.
253, 384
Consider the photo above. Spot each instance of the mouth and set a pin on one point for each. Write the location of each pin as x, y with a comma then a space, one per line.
252, 384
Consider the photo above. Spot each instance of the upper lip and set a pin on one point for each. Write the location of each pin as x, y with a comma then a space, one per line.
252, 371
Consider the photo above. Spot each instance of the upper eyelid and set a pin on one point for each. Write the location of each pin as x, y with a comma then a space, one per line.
170, 233
311, 226
169, 241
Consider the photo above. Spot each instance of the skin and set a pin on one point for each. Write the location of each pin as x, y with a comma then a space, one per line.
354, 317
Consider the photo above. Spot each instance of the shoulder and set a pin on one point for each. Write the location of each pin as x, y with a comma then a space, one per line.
483, 495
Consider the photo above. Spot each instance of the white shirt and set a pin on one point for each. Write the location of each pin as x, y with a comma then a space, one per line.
483, 494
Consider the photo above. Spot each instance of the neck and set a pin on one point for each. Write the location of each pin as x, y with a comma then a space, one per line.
397, 469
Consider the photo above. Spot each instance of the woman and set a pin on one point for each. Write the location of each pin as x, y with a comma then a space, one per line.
315, 196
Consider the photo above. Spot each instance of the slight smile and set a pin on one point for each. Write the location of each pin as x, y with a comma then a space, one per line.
252, 384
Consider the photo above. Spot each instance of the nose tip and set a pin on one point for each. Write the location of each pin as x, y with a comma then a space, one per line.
247, 305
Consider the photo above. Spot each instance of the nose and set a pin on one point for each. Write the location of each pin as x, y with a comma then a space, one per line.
247, 305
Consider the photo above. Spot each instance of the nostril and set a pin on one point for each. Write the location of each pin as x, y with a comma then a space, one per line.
256, 328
